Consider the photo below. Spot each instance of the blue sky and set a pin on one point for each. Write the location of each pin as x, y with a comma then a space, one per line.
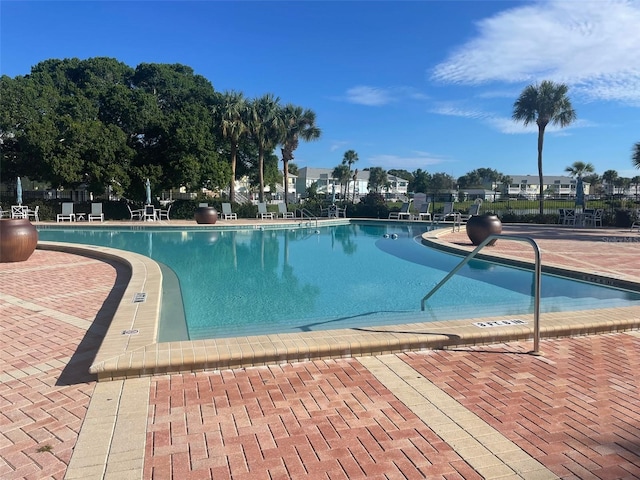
406, 84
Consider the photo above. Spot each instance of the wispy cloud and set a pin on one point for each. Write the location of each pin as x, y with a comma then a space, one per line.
594, 46
379, 96
411, 162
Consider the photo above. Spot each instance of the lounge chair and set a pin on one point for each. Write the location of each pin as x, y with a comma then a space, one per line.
96, 212
227, 213
403, 213
423, 212
262, 211
447, 212
67, 213
473, 210
283, 212
33, 213
136, 214
163, 214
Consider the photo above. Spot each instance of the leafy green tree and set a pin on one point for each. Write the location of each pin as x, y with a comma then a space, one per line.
232, 114
293, 168
595, 183
404, 174
544, 103
377, 179
420, 181
296, 124
442, 182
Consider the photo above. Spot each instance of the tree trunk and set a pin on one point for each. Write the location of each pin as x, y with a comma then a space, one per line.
540, 176
232, 185
261, 172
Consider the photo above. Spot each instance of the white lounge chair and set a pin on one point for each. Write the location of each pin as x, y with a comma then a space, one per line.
96, 212
424, 213
403, 213
136, 214
163, 214
283, 212
262, 211
227, 213
447, 212
67, 213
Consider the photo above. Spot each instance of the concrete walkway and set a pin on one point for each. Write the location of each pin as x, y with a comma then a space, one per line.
490, 411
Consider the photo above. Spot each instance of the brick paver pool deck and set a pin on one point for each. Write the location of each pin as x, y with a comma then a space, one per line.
487, 409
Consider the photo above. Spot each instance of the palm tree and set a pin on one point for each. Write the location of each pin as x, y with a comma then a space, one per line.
350, 157
342, 174
296, 124
635, 181
610, 177
265, 127
232, 116
635, 158
544, 103
578, 169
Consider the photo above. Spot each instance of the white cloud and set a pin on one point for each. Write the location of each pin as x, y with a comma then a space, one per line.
594, 46
416, 160
378, 96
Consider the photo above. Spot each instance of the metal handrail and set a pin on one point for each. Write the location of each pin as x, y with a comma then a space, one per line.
306, 213
536, 290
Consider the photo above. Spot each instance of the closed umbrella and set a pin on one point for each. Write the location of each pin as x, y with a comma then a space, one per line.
19, 191
333, 193
579, 192
148, 188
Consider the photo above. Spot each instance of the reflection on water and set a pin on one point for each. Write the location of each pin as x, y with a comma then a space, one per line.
256, 281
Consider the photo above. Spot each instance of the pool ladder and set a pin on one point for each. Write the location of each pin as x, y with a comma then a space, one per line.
306, 213
536, 289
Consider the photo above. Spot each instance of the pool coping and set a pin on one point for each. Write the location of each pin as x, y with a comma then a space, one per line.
130, 348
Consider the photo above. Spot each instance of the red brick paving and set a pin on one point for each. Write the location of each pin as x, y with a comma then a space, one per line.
324, 419
44, 404
575, 409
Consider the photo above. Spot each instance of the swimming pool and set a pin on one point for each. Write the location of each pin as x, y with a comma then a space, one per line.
254, 281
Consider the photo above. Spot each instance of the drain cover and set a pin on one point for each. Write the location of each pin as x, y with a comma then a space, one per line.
139, 297
130, 332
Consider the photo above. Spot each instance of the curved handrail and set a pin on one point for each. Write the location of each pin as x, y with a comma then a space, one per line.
536, 290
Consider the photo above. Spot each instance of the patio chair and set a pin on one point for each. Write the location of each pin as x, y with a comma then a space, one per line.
67, 213
163, 214
283, 212
262, 211
227, 213
96, 212
447, 212
593, 218
135, 214
19, 211
473, 210
33, 213
3, 213
423, 212
149, 213
403, 213
567, 216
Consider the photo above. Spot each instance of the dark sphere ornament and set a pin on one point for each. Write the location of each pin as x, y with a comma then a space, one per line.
479, 227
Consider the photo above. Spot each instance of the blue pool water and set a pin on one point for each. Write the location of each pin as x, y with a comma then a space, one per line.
253, 281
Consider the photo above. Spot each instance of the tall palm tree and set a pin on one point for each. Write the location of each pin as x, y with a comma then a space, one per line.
350, 157
264, 127
544, 103
296, 124
610, 177
232, 116
342, 174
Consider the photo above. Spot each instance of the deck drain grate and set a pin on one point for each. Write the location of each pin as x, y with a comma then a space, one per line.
500, 323
130, 332
139, 297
